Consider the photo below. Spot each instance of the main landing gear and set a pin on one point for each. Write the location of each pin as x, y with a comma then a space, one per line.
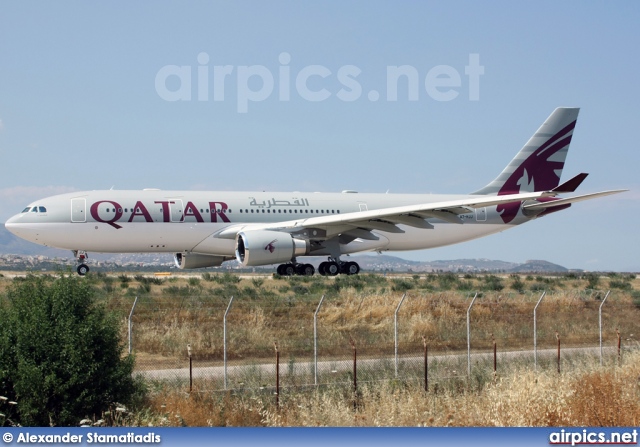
291, 269
332, 267
81, 256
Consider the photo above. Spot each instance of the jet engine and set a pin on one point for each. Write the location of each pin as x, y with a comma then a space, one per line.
196, 261
263, 247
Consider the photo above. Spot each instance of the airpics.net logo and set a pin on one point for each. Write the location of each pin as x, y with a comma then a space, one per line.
313, 83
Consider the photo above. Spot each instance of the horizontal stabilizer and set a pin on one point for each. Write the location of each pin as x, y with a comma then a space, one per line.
571, 185
560, 202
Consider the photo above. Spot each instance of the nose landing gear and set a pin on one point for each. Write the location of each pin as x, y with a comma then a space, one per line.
81, 257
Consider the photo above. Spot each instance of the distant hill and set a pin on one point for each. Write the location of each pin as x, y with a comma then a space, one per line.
392, 263
538, 266
12, 245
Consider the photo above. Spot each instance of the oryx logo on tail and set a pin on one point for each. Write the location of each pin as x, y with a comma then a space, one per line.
538, 166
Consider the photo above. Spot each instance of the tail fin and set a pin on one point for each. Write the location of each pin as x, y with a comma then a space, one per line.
538, 165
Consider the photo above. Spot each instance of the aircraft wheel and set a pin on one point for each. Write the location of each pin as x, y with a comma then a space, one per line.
82, 269
280, 270
321, 268
332, 269
289, 270
352, 268
308, 270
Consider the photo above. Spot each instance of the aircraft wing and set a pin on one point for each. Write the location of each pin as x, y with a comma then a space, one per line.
359, 223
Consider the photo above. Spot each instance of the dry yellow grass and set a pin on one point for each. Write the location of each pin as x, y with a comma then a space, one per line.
189, 310
253, 326
585, 396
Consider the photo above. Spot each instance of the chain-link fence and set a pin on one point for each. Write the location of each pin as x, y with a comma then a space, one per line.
219, 343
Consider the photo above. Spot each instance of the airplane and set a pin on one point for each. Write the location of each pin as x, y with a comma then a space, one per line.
205, 228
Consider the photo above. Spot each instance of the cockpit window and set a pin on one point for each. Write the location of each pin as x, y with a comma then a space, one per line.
35, 209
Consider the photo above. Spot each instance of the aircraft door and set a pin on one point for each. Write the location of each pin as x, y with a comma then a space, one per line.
481, 214
363, 206
79, 210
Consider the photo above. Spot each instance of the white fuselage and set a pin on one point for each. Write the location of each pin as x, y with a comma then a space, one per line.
186, 221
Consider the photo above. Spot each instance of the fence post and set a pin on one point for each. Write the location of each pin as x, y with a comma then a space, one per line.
558, 338
131, 323
469, 335
315, 342
535, 332
395, 331
600, 322
190, 368
619, 343
426, 365
355, 370
224, 340
495, 357
275, 344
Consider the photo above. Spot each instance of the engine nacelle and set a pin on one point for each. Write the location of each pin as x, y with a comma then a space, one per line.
196, 261
264, 247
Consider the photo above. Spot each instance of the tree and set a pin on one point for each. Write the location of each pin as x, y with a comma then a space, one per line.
60, 352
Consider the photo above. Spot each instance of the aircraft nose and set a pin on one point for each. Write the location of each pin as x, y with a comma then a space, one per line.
13, 224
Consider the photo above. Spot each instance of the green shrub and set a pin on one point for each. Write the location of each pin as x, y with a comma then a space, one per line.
194, 282
635, 296
448, 281
622, 285
493, 282
593, 280
401, 285
124, 278
60, 353
517, 284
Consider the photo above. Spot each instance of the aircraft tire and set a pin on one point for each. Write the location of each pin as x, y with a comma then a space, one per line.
321, 268
332, 269
82, 269
309, 270
351, 268
288, 269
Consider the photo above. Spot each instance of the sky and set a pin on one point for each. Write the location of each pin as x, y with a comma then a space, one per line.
306, 96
